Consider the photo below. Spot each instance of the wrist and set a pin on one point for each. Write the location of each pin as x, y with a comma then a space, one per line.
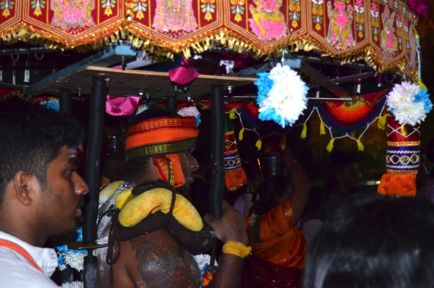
236, 248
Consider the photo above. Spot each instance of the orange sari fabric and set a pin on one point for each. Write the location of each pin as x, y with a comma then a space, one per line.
281, 242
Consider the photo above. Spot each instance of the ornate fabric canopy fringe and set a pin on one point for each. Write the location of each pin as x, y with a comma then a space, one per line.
380, 32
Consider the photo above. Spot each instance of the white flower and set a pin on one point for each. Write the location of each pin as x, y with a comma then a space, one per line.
203, 259
360, 10
75, 260
75, 284
317, 2
189, 111
287, 97
401, 102
413, 113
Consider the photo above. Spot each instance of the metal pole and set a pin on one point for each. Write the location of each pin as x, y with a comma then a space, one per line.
171, 103
217, 151
93, 155
65, 101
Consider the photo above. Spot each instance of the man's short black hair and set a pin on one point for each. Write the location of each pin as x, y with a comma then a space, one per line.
31, 138
375, 242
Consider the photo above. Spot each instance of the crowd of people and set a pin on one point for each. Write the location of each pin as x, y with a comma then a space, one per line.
281, 233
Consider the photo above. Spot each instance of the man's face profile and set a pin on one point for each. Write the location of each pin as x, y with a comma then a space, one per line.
189, 165
61, 200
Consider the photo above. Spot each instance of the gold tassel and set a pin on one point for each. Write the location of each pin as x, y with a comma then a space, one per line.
240, 136
259, 143
360, 145
232, 114
330, 145
282, 142
304, 132
420, 83
322, 129
382, 121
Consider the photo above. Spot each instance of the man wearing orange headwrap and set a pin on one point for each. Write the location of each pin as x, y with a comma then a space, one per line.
158, 147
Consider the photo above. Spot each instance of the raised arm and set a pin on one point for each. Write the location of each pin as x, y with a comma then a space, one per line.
229, 228
300, 185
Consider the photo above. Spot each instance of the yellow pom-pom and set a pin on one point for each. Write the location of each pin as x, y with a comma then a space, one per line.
360, 145
322, 129
259, 143
382, 121
330, 145
240, 136
232, 114
304, 132
282, 142
421, 85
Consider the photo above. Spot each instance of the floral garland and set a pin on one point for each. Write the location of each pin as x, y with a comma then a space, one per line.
409, 103
281, 95
190, 111
71, 257
51, 103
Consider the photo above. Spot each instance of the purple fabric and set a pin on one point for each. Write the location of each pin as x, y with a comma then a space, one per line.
121, 106
184, 74
419, 7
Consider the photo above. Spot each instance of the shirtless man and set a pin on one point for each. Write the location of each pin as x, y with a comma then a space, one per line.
156, 259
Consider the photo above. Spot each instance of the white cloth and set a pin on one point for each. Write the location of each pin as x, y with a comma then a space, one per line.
17, 272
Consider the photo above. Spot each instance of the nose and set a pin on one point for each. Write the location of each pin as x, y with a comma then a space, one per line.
193, 163
80, 186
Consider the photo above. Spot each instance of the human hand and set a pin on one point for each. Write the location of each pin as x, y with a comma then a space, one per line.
230, 227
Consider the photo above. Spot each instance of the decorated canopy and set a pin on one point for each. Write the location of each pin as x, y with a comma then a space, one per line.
380, 32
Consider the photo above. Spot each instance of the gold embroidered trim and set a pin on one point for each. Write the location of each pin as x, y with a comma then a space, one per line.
161, 149
403, 144
402, 172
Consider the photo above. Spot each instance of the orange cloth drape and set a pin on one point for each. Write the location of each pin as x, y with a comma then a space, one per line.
281, 242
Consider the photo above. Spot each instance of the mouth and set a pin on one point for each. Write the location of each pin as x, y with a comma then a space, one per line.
78, 212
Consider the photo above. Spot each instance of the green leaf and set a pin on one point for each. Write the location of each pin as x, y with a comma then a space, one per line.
42, 5
33, 6
135, 8
113, 1
203, 5
242, 12
42, 1
203, 10
2, 6
213, 6
33, 2
212, 10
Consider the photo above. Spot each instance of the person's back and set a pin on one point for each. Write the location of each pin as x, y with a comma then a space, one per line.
380, 242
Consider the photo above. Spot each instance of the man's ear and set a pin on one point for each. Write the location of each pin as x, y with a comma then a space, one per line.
24, 184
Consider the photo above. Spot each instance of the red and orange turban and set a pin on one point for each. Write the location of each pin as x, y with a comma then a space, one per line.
162, 139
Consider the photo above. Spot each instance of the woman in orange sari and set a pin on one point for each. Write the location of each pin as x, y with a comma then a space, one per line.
278, 247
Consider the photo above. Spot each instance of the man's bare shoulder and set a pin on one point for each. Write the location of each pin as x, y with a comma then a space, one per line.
157, 260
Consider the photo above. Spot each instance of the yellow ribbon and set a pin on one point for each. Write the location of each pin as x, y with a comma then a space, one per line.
238, 249
360, 145
330, 145
259, 143
240, 136
382, 121
282, 142
304, 132
232, 114
322, 129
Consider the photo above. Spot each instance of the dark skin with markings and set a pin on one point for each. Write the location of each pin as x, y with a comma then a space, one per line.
157, 260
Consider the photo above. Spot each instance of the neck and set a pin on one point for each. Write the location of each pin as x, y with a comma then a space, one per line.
21, 230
